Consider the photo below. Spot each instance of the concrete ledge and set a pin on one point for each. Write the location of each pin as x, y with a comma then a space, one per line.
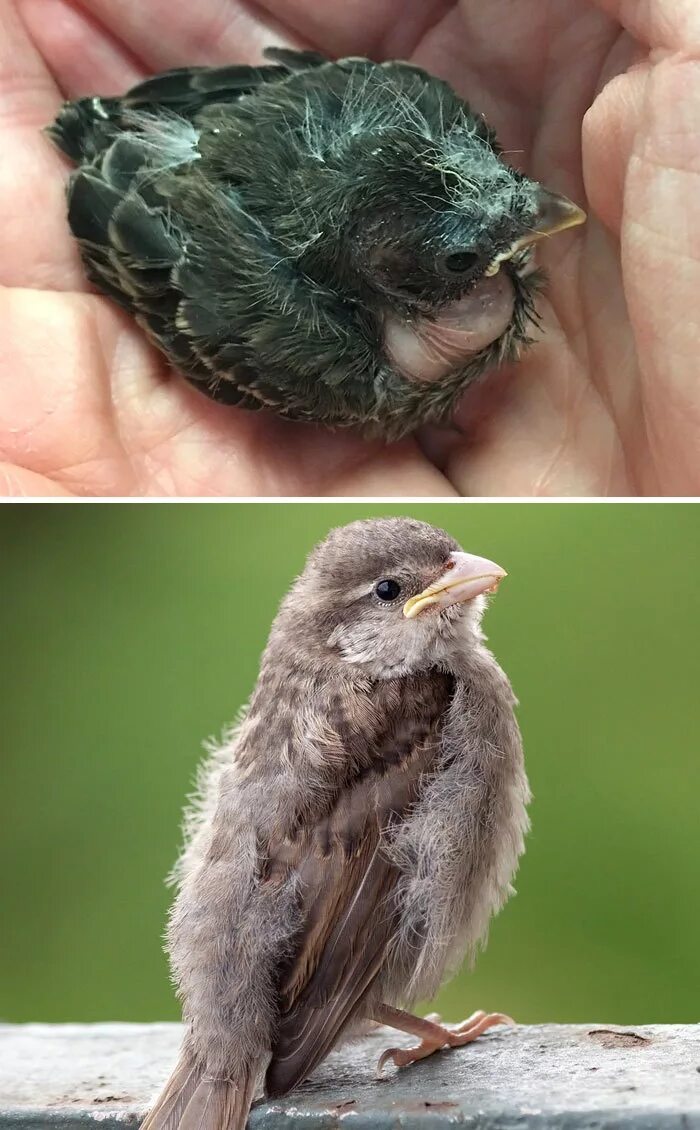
572, 1077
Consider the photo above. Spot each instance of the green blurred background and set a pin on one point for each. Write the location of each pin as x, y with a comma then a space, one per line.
131, 633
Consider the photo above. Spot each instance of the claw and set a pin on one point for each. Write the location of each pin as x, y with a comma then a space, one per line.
390, 1053
402, 1057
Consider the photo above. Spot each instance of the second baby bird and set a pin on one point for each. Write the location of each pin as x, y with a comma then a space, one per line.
357, 830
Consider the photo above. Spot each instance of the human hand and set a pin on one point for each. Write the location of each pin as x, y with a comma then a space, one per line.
604, 404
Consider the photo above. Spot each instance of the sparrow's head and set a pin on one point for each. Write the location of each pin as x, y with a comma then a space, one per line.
448, 213
390, 596
416, 214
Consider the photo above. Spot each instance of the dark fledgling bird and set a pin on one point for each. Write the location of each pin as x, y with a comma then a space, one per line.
354, 833
338, 242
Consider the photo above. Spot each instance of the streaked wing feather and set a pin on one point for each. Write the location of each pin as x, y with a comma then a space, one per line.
187, 89
350, 960
349, 917
295, 60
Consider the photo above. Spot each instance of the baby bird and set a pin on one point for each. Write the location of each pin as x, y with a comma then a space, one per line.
355, 832
334, 241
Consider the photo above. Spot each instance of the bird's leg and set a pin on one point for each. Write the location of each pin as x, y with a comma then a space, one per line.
433, 1035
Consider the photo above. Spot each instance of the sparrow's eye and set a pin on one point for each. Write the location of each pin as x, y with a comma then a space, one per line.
388, 589
460, 262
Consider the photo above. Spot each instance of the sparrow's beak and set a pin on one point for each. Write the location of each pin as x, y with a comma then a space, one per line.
555, 213
466, 576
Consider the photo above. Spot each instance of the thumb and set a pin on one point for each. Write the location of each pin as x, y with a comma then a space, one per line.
18, 482
610, 128
670, 24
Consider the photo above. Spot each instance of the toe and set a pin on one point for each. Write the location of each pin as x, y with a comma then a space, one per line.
465, 1035
465, 1025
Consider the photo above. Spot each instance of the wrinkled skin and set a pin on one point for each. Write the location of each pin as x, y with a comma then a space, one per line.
607, 403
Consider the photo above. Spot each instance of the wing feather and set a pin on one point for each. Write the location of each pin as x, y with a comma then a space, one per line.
349, 915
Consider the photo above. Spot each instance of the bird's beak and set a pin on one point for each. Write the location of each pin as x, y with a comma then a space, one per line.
555, 213
466, 576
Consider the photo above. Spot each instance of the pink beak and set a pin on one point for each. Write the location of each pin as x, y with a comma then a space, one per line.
466, 576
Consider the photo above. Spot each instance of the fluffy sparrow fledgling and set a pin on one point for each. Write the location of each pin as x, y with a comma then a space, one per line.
356, 831
333, 241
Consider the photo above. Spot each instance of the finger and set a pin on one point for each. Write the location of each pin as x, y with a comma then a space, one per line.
161, 35
397, 471
34, 246
463, 53
661, 262
17, 482
530, 455
391, 28
539, 429
184, 444
574, 62
83, 57
609, 131
88, 403
56, 409
528, 68
673, 24
26, 87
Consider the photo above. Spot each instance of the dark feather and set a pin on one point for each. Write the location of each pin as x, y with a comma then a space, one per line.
295, 60
141, 233
123, 161
188, 89
91, 205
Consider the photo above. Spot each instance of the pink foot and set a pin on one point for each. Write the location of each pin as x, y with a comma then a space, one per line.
440, 1036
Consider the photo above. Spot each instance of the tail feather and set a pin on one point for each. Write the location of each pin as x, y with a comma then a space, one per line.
218, 1104
169, 1108
84, 128
190, 1101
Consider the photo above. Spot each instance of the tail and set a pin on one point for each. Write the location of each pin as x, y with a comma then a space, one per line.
85, 128
191, 1101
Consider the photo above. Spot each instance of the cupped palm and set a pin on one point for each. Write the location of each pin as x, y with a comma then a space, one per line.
606, 402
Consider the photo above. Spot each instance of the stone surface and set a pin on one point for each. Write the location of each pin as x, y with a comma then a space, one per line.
587, 1077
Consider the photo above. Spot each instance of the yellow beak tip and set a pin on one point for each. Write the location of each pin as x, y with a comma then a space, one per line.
557, 214
578, 217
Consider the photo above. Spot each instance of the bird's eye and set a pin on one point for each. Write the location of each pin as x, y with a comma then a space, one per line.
388, 589
460, 262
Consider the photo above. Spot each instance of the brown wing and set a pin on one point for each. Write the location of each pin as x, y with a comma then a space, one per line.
347, 883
